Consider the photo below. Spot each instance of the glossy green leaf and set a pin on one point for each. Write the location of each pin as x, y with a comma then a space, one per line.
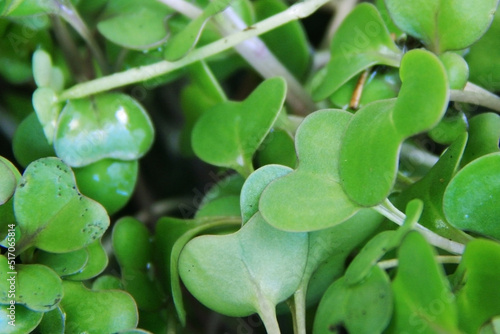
246, 272
41, 297
131, 243
97, 311
380, 245
478, 284
7, 209
66, 220
443, 25
255, 185
29, 142
24, 319
47, 110
483, 58
229, 134
110, 125
141, 285
423, 301
288, 42
224, 185
453, 125
362, 308
368, 167
179, 45
135, 25
484, 136
109, 182
64, 263
430, 189
472, 199
97, 262
311, 198
107, 282
361, 41
8, 183
203, 92
53, 322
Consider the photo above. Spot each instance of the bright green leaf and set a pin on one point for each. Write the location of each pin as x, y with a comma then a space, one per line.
227, 206
368, 167
90, 311
362, 308
111, 125
64, 263
68, 221
472, 199
229, 134
311, 198
53, 322
24, 319
423, 301
246, 272
97, 262
277, 148
484, 136
8, 183
443, 25
131, 243
47, 110
179, 45
361, 41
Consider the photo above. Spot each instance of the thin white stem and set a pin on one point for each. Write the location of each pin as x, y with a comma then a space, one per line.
388, 210
392, 263
254, 51
138, 74
477, 95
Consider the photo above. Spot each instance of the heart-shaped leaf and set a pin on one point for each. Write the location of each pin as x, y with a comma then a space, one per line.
443, 25
472, 199
42, 296
90, 311
361, 41
246, 272
423, 300
368, 167
311, 197
69, 221
133, 25
229, 134
179, 45
362, 308
111, 125
47, 110
477, 279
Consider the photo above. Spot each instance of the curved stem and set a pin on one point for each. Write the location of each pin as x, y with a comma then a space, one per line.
388, 210
477, 95
392, 263
297, 11
268, 315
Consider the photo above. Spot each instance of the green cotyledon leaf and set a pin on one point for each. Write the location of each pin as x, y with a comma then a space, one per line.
361, 41
311, 197
65, 220
111, 125
249, 271
371, 144
229, 134
443, 24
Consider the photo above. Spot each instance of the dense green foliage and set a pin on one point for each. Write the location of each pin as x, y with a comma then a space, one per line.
346, 175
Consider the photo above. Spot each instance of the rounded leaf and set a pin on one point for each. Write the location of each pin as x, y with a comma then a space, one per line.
111, 125
472, 199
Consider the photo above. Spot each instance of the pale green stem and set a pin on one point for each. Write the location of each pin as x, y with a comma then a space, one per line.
477, 95
138, 74
392, 263
268, 315
254, 51
388, 210
299, 310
